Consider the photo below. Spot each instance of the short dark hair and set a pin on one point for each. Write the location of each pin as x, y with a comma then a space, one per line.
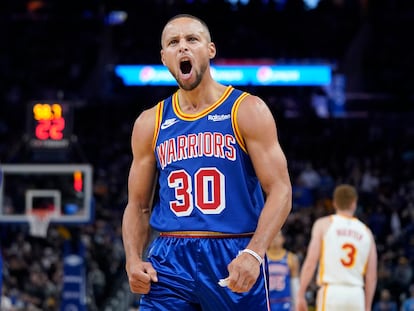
182, 15
185, 15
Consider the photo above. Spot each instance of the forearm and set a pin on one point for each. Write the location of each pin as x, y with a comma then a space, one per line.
371, 276
306, 276
135, 231
370, 286
276, 209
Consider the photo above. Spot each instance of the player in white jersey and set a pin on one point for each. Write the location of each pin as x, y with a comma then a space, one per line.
345, 250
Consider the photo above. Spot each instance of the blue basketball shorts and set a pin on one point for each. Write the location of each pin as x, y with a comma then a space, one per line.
188, 270
281, 306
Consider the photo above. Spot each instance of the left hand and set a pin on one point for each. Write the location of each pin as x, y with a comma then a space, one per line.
243, 273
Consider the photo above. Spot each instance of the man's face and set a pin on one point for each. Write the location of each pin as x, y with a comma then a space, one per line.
186, 51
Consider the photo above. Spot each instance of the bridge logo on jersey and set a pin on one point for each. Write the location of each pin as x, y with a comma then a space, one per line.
218, 117
169, 122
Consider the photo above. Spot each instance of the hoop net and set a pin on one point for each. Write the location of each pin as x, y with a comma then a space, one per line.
39, 220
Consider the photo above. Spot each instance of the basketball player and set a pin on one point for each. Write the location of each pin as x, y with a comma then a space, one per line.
211, 149
283, 275
347, 256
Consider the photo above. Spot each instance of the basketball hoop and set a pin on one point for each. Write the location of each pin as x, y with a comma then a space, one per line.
39, 220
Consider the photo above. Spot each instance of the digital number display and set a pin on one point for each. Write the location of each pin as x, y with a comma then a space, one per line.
49, 124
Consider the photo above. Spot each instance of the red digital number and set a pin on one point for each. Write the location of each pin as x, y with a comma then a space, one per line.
56, 128
50, 129
42, 129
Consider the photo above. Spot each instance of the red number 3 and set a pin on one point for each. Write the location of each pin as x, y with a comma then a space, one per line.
209, 191
351, 252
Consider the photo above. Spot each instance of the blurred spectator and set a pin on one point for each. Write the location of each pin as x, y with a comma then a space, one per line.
395, 223
384, 272
6, 301
34, 289
385, 302
402, 275
369, 181
326, 184
309, 177
408, 303
303, 196
97, 282
369, 185
378, 221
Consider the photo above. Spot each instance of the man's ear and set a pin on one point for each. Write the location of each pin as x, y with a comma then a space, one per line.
212, 50
162, 57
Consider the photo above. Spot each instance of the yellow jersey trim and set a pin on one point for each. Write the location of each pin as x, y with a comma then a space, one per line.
192, 117
158, 120
235, 124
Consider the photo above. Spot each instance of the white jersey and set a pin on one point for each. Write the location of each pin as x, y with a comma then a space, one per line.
344, 254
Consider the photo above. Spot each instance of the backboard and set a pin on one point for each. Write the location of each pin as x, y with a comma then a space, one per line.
63, 189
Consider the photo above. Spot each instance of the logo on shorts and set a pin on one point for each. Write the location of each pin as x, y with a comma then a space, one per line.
167, 123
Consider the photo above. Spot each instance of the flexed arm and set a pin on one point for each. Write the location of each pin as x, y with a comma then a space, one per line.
258, 129
135, 222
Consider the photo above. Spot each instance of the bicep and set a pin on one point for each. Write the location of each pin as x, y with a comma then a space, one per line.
141, 181
142, 171
258, 128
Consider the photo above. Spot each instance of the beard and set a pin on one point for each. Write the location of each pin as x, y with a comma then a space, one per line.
198, 77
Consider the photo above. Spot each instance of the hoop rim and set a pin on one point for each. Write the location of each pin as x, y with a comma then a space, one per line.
41, 212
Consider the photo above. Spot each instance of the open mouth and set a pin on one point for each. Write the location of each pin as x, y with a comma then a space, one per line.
185, 66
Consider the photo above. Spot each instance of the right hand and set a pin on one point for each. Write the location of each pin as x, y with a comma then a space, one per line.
140, 275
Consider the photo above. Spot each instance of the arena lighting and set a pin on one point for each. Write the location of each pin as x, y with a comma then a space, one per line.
257, 75
116, 17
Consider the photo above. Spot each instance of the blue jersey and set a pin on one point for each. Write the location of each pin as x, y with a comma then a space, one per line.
408, 305
279, 284
206, 178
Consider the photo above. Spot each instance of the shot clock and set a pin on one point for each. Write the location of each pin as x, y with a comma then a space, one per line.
49, 124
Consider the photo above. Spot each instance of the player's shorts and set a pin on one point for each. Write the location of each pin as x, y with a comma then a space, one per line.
340, 298
188, 270
281, 306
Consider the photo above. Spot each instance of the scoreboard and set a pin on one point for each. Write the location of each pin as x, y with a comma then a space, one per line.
49, 124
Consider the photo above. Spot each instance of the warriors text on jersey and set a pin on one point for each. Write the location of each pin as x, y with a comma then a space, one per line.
207, 181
